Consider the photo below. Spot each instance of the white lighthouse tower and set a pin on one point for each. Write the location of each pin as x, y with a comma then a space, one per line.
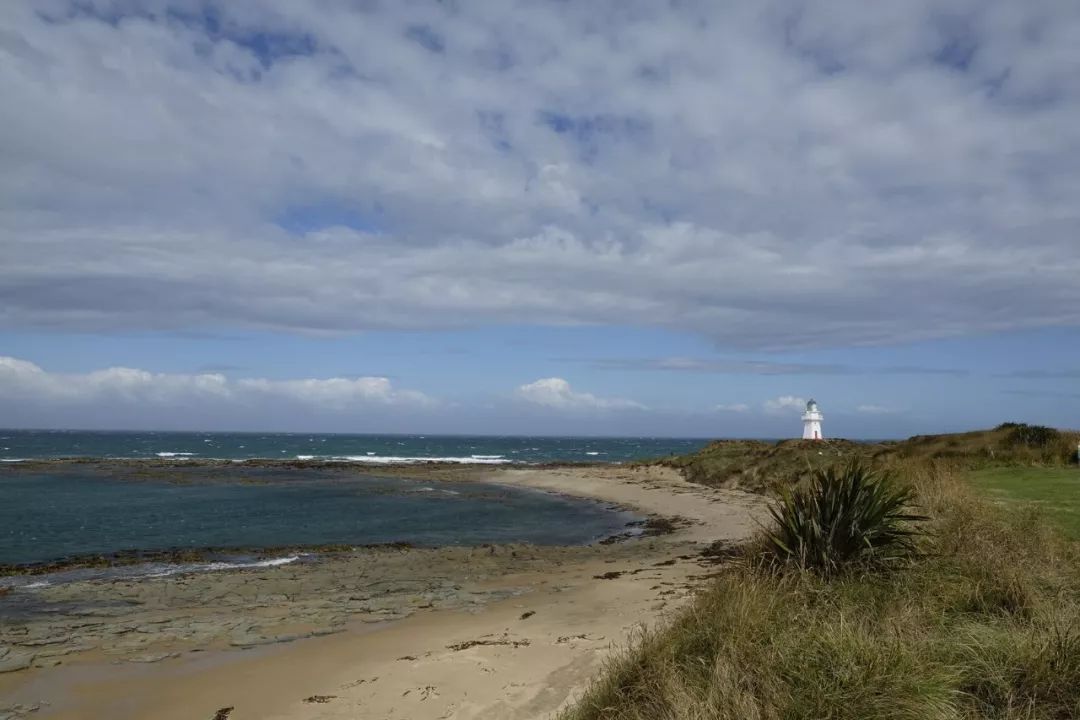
811, 422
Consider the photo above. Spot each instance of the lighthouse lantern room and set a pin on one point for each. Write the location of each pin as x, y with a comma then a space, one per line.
812, 422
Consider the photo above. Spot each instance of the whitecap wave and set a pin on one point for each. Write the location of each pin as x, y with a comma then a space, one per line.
12, 459
137, 572
305, 457
174, 454
271, 562
403, 460
166, 570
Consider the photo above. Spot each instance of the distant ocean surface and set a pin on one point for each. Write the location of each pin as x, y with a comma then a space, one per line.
18, 445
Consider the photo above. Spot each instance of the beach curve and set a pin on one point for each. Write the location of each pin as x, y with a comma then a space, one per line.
497, 631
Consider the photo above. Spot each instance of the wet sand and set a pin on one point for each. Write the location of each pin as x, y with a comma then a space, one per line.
488, 632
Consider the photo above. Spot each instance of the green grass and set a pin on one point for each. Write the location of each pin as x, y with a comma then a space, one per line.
768, 467
1055, 490
846, 515
984, 624
760, 466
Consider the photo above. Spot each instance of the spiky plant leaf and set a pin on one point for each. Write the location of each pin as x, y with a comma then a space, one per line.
845, 514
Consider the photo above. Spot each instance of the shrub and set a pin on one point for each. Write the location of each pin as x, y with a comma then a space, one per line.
1035, 436
845, 514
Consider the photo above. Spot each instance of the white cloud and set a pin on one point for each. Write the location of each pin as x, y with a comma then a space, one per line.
785, 404
337, 392
557, 393
734, 407
768, 177
25, 381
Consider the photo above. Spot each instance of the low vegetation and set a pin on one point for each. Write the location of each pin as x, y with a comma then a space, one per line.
976, 616
846, 515
1054, 490
1007, 445
762, 466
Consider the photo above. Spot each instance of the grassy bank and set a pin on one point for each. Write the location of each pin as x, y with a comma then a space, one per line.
762, 466
984, 623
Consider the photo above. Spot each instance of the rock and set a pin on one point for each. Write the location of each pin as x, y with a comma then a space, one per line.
15, 660
15, 712
57, 652
44, 641
154, 657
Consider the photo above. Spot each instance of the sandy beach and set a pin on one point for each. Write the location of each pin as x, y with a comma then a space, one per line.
486, 632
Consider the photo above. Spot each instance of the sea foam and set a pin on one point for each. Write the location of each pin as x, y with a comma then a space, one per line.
137, 572
403, 460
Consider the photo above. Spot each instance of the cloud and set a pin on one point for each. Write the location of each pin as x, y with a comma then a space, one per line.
337, 393
1043, 374
734, 407
921, 370
1042, 394
556, 393
758, 367
874, 410
26, 382
723, 367
220, 368
785, 404
767, 177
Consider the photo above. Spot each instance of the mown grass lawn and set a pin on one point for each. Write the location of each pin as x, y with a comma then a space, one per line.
1056, 490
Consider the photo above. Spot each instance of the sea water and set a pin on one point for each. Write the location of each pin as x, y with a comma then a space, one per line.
65, 510
18, 445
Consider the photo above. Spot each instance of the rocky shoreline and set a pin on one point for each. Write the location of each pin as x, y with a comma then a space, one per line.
151, 618
53, 635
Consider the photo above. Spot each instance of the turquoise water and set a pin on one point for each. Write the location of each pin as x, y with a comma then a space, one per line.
74, 510
374, 449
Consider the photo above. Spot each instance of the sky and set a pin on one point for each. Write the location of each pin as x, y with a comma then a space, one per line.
610, 218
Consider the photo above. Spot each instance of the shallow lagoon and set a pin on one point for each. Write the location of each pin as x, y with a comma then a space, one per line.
74, 510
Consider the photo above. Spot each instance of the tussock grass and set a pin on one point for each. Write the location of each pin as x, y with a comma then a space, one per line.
761, 466
983, 623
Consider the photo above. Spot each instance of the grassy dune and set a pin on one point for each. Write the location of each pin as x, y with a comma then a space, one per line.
983, 623
761, 466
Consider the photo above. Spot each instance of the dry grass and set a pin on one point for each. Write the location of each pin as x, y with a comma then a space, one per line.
985, 624
761, 466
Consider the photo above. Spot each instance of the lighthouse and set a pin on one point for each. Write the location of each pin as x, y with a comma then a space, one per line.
811, 422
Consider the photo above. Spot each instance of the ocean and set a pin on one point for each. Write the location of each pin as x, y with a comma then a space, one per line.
70, 510
18, 445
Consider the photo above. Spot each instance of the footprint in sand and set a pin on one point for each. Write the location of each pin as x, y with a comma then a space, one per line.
357, 683
425, 692
319, 698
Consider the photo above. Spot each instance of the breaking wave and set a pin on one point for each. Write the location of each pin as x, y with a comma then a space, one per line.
136, 572
407, 460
